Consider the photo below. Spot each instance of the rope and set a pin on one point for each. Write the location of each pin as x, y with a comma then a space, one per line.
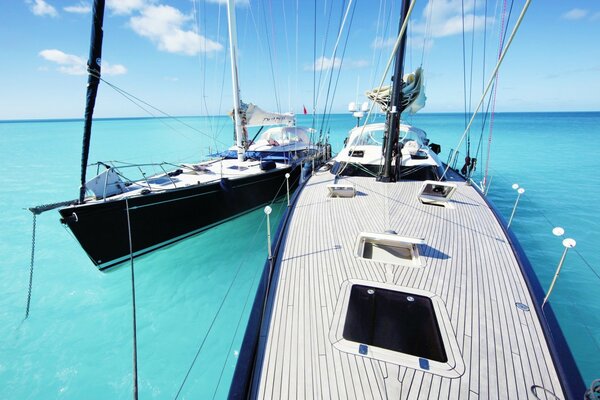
31, 267
135, 379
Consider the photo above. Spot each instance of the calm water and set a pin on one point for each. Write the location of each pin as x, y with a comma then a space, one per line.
193, 297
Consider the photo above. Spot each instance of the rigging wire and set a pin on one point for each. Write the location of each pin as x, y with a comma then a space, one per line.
333, 57
249, 292
378, 50
492, 78
271, 63
471, 72
503, 31
287, 51
468, 143
138, 102
327, 117
428, 31
214, 319
314, 105
322, 59
539, 211
385, 33
387, 68
333, 65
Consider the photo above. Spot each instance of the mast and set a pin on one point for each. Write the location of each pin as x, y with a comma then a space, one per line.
239, 129
392, 132
93, 68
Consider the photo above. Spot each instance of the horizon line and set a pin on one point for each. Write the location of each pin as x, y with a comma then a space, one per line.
74, 119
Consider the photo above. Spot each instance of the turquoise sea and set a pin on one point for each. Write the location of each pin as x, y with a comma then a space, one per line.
193, 297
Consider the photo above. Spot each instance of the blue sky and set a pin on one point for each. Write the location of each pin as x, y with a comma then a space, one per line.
173, 54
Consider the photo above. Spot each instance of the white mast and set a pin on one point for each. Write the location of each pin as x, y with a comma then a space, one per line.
234, 79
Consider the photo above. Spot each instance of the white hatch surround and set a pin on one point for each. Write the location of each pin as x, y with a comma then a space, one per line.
389, 248
447, 362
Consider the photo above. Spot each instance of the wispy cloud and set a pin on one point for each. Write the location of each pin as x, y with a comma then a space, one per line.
446, 18
74, 65
326, 63
595, 16
126, 7
237, 2
575, 14
358, 63
164, 25
81, 8
42, 9
575, 72
381, 43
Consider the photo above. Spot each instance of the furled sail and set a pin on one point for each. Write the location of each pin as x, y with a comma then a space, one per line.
252, 115
413, 93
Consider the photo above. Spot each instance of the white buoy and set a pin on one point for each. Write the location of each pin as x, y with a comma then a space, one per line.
558, 231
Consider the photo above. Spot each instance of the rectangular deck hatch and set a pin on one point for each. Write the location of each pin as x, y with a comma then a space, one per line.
396, 321
344, 190
389, 248
437, 193
395, 324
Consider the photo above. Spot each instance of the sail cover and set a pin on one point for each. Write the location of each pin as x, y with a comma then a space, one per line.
252, 115
413, 93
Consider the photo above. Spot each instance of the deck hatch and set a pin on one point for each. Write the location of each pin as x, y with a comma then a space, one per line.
437, 193
389, 248
400, 325
397, 321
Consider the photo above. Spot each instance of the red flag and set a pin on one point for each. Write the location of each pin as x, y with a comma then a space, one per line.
305, 112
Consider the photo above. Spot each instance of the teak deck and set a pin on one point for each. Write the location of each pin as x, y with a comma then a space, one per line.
469, 264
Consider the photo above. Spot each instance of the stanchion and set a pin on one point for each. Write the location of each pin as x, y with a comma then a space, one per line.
520, 191
568, 243
268, 211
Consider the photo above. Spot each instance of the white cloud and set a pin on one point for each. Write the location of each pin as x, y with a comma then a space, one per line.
380, 43
575, 14
81, 8
164, 26
446, 19
595, 16
358, 63
126, 7
41, 8
237, 2
74, 65
325, 63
